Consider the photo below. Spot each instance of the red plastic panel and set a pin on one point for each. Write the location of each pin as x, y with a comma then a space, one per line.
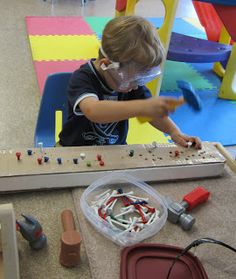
227, 15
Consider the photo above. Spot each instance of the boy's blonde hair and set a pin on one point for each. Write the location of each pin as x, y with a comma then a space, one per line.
132, 39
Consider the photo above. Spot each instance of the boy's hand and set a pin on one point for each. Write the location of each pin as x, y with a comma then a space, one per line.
183, 140
158, 107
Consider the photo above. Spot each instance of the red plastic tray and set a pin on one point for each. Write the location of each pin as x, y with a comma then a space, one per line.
153, 261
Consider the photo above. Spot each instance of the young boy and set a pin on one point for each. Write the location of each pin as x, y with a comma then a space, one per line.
105, 92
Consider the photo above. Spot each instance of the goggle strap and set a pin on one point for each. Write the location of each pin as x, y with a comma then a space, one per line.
103, 52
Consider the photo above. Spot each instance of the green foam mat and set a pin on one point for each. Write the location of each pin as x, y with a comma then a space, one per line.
97, 24
178, 71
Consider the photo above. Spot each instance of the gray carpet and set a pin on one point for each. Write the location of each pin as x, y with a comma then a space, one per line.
216, 219
46, 207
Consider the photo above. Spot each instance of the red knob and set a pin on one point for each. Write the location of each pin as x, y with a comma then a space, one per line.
40, 160
18, 154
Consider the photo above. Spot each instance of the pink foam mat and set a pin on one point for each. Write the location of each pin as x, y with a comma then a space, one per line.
62, 25
45, 68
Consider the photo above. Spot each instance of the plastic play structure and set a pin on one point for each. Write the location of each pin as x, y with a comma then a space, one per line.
188, 49
209, 19
209, 16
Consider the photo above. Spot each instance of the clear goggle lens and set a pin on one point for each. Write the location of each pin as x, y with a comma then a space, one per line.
127, 76
123, 76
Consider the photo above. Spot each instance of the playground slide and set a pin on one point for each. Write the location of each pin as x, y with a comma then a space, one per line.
211, 17
209, 20
227, 15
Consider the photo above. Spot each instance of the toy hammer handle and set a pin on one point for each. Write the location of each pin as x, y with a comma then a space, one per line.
67, 220
70, 241
195, 197
173, 104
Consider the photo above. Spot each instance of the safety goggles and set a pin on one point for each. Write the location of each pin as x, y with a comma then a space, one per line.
122, 77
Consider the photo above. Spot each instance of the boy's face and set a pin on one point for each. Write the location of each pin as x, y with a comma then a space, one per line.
124, 78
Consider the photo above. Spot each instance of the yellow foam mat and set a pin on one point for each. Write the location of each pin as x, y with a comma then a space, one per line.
144, 133
46, 48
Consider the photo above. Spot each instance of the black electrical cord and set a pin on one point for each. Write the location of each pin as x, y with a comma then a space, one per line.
196, 243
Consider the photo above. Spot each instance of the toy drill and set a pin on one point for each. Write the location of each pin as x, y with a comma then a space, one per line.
177, 211
32, 231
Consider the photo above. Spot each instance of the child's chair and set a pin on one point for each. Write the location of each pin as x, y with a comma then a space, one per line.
53, 109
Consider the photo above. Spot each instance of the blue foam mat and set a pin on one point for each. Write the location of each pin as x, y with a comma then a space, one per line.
205, 69
215, 122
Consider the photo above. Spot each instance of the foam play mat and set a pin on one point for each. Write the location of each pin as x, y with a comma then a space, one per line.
62, 44
215, 122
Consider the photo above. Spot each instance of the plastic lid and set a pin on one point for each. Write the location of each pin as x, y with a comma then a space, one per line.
153, 261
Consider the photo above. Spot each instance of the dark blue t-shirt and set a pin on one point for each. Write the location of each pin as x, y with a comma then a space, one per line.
80, 131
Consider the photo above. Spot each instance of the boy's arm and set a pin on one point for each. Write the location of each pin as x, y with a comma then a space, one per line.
166, 125
114, 111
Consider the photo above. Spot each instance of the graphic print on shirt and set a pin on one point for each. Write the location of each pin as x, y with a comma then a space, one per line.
101, 134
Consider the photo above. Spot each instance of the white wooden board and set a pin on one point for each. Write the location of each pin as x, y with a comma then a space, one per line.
165, 162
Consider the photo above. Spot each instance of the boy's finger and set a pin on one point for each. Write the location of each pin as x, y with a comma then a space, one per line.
196, 143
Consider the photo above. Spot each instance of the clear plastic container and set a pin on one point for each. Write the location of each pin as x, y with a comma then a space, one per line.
122, 236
